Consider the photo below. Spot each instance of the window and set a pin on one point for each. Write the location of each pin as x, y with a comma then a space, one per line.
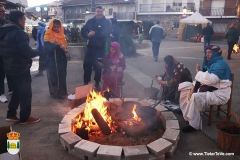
177, 3
110, 11
219, 27
176, 24
218, 3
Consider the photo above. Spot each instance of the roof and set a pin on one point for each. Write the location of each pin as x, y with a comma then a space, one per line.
98, 2
195, 18
20, 2
33, 9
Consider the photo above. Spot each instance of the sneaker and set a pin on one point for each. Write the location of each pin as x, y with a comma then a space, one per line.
31, 120
12, 119
10, 92
156, 59
3, 98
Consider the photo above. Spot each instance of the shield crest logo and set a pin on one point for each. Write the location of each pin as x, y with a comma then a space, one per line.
13, 142
13, 146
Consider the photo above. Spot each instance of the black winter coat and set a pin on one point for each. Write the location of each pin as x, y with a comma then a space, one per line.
102, 31
15, 50
232, 35
207, 32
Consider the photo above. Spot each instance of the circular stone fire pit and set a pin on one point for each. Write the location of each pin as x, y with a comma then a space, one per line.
139, 142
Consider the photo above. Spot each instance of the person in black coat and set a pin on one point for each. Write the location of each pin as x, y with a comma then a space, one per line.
96, 31
17, 55
232, 38
3, 97
207, 33
34, 33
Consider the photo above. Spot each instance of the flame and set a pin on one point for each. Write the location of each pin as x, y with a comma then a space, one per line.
94, 101
235, 48
135, 117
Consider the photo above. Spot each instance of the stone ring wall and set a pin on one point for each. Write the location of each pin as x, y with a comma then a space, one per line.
83, 149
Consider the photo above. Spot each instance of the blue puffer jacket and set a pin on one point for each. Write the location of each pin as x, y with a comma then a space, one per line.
102, 31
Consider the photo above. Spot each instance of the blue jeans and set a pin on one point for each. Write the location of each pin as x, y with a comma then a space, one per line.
205, 42
155, 48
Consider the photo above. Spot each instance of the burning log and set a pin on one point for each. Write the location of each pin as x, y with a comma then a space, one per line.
101, 123
82, 132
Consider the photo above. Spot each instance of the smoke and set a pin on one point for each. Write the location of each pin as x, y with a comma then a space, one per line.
61, 108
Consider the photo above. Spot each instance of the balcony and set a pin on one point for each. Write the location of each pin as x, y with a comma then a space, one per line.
125, 15
230, 11
120, 15
166, 7
74, 16
51, 13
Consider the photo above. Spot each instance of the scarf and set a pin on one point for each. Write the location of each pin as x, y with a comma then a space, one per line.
41, 30
114, 57
216, 65
53, 37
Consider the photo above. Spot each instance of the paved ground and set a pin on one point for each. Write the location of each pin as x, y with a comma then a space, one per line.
41, 142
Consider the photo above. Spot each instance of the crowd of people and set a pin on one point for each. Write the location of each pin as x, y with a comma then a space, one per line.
211, 86
51, 47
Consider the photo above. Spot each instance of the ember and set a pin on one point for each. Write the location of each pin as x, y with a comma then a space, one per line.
110, 124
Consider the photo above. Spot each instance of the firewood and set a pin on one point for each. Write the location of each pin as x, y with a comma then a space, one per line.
101, 123
82, 132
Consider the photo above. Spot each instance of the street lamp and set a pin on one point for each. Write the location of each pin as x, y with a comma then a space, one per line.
38, 9
184, 10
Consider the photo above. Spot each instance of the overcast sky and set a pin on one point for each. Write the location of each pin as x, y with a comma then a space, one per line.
32, 3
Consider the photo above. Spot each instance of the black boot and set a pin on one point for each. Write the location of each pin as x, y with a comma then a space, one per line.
97, 86
188, 129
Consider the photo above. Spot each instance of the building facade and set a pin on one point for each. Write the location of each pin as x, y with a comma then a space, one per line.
222, 13
75, 10
168, 12
55, 10
13, 5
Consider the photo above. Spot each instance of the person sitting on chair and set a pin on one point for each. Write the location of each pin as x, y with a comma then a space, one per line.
197, 38
212, 87
113, 66
175, 73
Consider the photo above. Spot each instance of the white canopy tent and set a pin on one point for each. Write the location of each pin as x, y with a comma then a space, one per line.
30, 22
194, 19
